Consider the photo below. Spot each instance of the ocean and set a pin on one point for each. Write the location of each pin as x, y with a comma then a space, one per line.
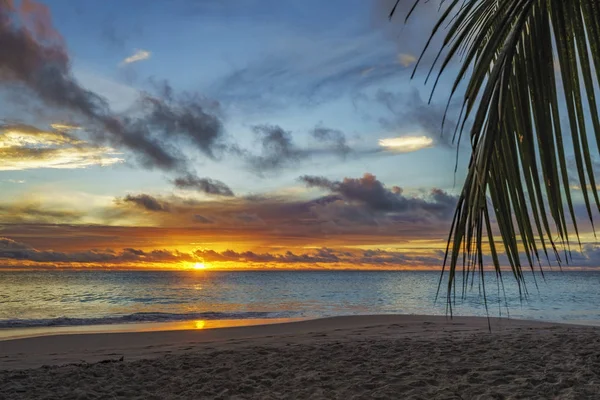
83, 298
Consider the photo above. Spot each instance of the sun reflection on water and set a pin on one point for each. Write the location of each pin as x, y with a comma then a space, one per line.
200, 324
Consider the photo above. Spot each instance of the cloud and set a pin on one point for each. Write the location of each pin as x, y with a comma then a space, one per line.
322, 256
351, 211
363, 207
138, 55
25, 147
411, 123
13, 250
406, 144
370, 192
203, 185
277, 149
62, 127
334, 138
37, 58
409, 110
146, 202
387, 258
406, 60
188, 116
40, 62
16, 251
29, 211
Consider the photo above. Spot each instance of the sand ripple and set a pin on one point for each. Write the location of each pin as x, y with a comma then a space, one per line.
548, 363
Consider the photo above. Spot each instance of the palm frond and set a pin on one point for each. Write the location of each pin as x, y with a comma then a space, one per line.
531, 70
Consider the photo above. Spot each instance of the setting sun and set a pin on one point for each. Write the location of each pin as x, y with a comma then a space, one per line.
199, 266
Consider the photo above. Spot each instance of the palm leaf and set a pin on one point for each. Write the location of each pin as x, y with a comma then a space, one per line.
530, 69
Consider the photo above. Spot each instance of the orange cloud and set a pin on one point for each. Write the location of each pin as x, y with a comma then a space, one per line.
351, 212
15, 253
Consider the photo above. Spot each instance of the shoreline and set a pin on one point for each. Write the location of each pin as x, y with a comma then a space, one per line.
133, 327
372, 356
7, 334
90, 344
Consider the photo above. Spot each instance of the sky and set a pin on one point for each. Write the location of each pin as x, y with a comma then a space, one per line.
230, 134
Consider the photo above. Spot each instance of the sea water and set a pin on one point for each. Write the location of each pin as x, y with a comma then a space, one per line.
82, 298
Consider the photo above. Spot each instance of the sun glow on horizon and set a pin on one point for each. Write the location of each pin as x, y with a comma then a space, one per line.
200, 324
199, 265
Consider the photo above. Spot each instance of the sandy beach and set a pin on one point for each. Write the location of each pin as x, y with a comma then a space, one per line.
380, 357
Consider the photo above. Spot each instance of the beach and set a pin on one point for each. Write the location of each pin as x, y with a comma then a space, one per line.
380, 356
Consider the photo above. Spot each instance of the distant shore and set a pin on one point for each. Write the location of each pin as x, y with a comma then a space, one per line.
383, 356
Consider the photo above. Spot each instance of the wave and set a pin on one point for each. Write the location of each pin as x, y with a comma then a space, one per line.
141, 317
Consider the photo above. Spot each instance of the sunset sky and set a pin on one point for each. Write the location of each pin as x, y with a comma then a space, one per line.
238, 134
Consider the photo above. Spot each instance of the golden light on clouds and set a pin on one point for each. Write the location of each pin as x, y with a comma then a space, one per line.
64, 127
23, 147
406, 60
139, 55
406, 144
22, 138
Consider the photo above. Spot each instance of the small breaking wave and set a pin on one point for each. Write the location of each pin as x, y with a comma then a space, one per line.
141, 317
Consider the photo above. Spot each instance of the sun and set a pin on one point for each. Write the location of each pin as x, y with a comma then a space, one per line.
199, 266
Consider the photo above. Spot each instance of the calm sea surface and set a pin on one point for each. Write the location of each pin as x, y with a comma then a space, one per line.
62, 298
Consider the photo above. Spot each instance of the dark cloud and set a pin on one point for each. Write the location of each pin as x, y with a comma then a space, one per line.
186, 115
36, 57
351, 211
326, 255
249, 256
45, 69
361, 207
203, 185
147, 202
277, 149
13, 250
19, 251
333, 137
372, 193
388, 258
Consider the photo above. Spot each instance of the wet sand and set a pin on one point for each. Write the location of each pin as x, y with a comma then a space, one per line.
420, 357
